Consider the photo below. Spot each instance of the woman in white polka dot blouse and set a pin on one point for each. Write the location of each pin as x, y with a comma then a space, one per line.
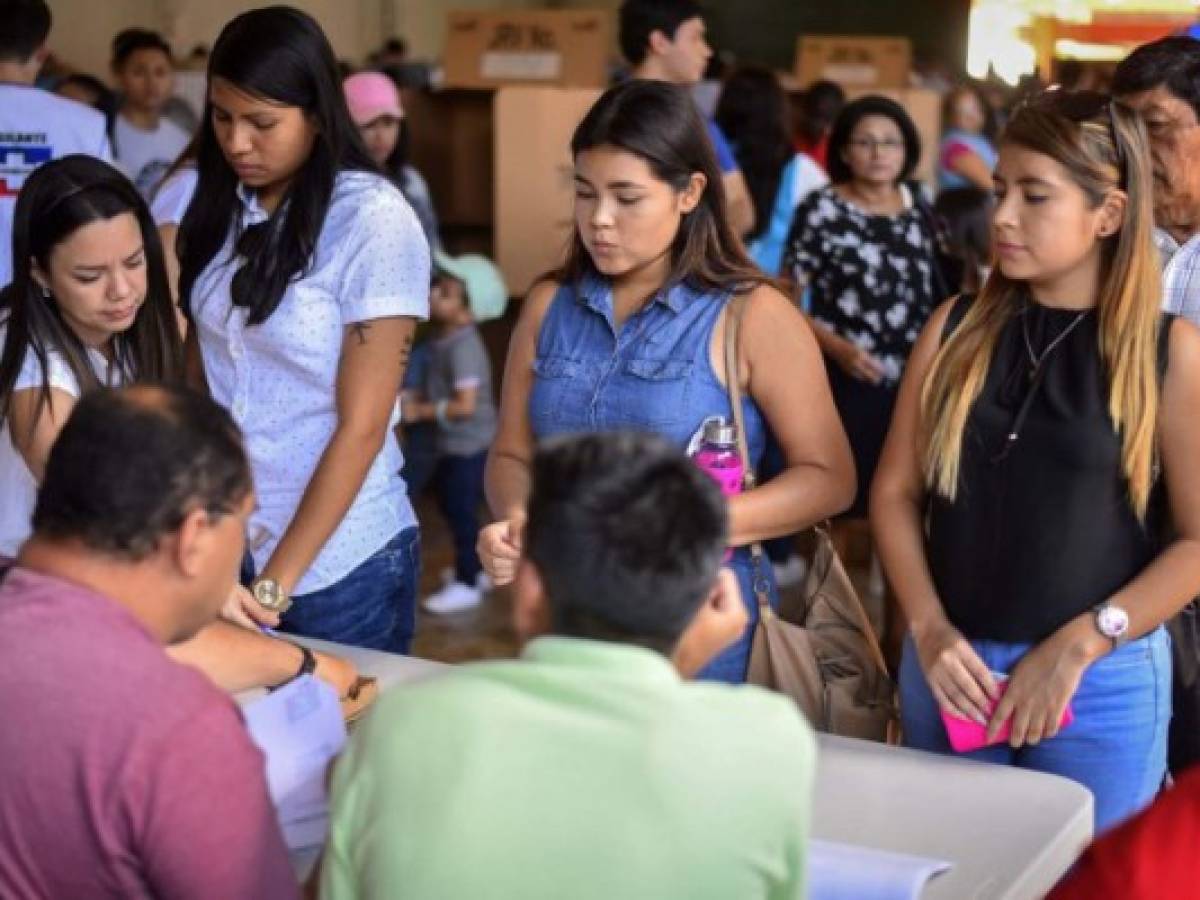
303, 272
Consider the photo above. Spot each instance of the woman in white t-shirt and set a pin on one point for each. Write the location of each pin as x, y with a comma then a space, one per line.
145, 142
85, 309
303, 272
89, 306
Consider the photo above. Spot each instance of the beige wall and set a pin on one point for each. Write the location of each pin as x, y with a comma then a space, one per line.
423, 22
84, 28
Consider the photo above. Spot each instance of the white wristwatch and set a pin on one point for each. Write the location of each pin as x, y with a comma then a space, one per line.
1113, 623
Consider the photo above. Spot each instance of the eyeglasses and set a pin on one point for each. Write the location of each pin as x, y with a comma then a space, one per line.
870, 145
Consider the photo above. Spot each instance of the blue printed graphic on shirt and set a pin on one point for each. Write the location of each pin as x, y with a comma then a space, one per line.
18, 159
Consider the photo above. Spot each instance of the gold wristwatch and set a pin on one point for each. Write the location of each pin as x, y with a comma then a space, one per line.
270, 593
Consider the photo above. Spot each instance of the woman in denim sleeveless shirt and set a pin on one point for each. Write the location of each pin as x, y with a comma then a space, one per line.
629, 335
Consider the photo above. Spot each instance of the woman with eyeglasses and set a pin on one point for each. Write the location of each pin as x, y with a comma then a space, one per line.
1037, 506
864, 248
303, 271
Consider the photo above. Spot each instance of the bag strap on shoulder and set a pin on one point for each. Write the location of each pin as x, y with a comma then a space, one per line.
733, 324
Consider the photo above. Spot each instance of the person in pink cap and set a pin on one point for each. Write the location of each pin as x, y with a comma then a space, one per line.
376, 109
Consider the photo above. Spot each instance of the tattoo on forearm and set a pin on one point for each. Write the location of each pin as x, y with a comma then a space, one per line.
360, 330
405, 352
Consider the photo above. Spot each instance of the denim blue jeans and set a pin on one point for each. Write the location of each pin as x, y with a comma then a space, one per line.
374, 606
1117, 745
730, 664
458, 481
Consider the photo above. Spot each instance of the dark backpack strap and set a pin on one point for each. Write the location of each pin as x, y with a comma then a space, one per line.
944, 283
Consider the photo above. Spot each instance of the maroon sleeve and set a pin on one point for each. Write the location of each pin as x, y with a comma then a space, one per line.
1151, 857
208, 827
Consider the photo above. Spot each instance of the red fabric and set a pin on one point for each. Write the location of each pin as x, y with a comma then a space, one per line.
952, 150
819, 150
1155, 856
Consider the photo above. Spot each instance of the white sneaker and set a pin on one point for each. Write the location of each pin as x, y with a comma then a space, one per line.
790, 573
454, 597
483, 584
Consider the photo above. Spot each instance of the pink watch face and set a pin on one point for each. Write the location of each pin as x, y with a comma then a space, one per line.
1112, 621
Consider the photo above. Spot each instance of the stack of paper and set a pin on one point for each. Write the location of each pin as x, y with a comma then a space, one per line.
846, 872
299, 729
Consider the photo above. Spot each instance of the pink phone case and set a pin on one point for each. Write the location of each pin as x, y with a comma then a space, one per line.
966, 735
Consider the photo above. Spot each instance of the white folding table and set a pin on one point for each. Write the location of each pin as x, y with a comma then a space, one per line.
1010, 834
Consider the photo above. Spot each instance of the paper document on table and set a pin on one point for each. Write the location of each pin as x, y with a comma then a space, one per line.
299, 729
847, 872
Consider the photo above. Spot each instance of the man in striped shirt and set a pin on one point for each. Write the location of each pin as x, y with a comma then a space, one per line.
1161, 81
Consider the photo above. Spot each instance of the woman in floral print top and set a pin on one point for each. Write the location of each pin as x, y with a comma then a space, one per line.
865, 254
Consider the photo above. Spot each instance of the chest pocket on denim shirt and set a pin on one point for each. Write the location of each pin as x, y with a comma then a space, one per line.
652, 393
557, 389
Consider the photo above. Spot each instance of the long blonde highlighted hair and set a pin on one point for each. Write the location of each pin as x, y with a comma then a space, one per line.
1103, 147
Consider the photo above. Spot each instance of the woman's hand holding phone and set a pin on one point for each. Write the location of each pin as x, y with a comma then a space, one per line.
1040, 689
960, 681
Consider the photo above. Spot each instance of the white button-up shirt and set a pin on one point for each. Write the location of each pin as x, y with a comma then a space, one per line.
278, 379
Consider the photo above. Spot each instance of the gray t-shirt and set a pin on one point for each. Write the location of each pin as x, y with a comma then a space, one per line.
456, 362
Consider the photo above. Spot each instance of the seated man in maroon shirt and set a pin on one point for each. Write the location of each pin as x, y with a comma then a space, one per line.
123, 773
1155, 856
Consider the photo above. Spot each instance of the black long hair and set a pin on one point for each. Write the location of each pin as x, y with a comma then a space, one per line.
280, 54
57, 200
658, 123
753, 112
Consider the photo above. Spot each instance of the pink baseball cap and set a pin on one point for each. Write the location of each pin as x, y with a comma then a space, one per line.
371, 95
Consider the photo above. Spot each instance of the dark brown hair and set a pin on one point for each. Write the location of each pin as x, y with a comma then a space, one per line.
658, 123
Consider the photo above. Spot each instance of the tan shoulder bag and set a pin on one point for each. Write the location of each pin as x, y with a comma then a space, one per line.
820, 651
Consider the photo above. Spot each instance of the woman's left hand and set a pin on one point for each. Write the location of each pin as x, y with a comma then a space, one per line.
1039, 689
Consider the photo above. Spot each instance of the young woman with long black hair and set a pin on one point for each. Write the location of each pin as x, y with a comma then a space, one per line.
303, 272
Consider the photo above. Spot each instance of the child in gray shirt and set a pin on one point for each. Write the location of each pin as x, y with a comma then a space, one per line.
457, 394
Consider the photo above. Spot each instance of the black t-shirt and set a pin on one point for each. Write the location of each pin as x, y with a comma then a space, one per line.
1046, 531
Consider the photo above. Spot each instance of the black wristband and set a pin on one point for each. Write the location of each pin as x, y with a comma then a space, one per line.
308, 664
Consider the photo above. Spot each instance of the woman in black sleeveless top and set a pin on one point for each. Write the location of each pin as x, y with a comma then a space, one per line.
1037, 507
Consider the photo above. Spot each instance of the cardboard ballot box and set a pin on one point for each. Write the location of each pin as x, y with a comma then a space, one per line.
854, 62
565, 48
535, 190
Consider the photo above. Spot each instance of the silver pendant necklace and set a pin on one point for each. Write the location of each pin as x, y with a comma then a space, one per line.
1036, 359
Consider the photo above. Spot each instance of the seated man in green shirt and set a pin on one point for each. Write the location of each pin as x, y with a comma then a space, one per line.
589, 767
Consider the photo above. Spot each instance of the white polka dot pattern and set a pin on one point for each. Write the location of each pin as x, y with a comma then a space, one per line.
278, 378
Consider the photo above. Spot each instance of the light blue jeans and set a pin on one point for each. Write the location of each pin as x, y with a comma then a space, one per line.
1117, 745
